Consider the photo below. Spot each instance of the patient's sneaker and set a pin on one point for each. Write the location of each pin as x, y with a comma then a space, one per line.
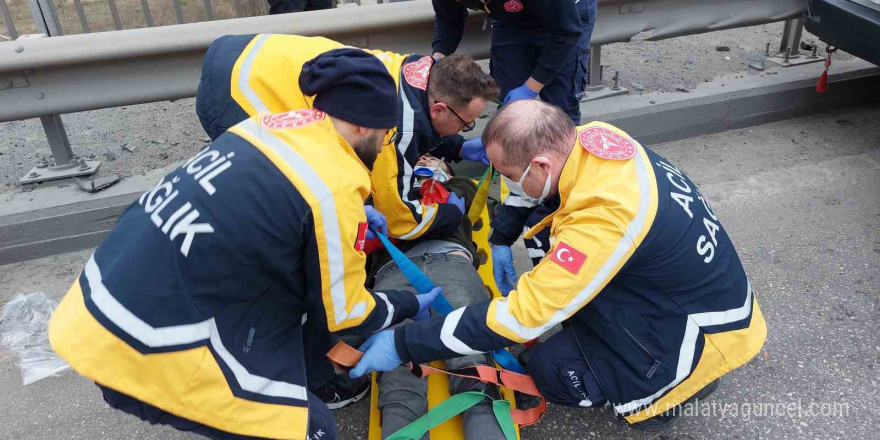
343, 390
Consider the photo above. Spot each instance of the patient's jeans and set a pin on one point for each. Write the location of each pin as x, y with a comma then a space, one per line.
403, 396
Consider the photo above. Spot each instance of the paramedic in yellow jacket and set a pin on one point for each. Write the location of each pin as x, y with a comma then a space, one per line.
653, 299
203, 307
247, 74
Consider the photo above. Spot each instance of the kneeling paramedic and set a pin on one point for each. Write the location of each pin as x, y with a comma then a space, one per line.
200, 309
247, 74
654, 302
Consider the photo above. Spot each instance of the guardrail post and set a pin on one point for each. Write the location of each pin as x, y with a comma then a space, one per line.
66, 164
791, 37
595, 73
595, 88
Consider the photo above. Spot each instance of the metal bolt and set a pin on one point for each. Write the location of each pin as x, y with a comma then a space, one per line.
616, 79
19, 49
33, 174
84, 166
767, 51
39, 95
787, 55
815, 49
43, 164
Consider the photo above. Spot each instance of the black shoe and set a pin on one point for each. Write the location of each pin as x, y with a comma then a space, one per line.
343, 390
669, 418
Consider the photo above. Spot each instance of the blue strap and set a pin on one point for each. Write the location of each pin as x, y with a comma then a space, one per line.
423, 285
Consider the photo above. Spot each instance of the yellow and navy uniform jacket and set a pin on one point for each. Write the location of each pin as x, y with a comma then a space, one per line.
197, 301
247, 74
640, 267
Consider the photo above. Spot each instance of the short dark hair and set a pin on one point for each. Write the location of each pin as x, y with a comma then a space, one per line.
527, 128
457, 79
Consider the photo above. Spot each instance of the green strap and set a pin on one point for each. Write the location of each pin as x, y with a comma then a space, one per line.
452, 407
501, 408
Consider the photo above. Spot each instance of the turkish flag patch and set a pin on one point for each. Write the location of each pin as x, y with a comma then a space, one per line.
361, 243
568, 257
416, 73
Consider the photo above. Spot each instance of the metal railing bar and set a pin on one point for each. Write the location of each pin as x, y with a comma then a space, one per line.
115, 14
81, 13
178, 12
7, 18
208, 11
148, 17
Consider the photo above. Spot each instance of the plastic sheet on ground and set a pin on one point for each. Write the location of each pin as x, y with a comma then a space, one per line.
24, 323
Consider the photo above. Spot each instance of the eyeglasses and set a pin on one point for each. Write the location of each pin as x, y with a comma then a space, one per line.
391, 138
466, 126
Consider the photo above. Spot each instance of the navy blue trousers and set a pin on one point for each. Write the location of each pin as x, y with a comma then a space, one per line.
515, 54
561, 373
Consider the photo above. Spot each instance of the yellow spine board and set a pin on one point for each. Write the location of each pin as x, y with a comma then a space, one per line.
438, 384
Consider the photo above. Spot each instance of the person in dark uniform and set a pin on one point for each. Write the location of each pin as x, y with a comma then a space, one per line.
536, 45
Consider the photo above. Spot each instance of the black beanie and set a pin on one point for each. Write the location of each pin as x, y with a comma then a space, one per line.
351, 85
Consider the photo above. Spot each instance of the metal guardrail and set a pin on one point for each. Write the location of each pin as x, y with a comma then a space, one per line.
42, 77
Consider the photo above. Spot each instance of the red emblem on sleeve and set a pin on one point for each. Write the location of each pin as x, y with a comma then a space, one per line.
361, 242
416, 73
568, 257
602, 142
291, 119
513, 6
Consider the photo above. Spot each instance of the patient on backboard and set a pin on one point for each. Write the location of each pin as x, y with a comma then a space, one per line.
449, 263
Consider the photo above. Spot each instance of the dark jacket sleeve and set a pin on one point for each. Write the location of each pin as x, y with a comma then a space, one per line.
508, 222
563, 26
448, 25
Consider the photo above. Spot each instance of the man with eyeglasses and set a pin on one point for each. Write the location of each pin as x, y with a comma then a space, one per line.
243, 75
247, 74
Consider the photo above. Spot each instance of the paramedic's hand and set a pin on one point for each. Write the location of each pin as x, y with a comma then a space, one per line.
473, 150
454, 199
379, 355
521, 92
376, 221
502, 268
425, 301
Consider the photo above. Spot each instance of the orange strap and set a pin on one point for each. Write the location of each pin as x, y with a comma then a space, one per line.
344, 355
347, 356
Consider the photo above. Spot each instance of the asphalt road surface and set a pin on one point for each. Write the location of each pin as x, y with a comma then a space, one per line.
801, 200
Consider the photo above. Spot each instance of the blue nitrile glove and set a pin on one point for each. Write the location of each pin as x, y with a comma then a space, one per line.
454, 199
380, 354
502, 268
376, 220
425, 301
521, 92
473, 149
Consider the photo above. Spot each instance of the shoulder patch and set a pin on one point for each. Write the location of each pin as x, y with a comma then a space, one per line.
604, 143
513, 6
291, 119
416, 73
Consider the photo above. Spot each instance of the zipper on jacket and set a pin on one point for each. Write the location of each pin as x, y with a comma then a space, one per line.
645, 350
250, 340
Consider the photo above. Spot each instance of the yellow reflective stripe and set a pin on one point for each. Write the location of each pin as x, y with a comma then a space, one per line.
320, 198
187, 383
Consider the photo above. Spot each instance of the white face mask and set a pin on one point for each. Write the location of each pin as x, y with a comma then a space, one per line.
516, 187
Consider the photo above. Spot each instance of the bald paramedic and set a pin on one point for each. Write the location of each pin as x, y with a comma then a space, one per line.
654, 303
247, 74
196, 309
